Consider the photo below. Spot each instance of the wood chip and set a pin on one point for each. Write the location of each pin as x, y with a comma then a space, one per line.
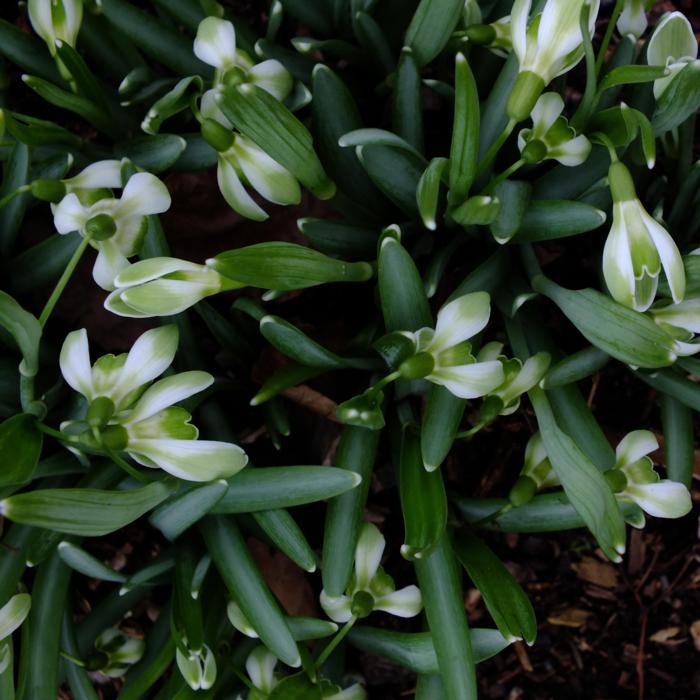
662, 636
597, 572
695, 633
570, 617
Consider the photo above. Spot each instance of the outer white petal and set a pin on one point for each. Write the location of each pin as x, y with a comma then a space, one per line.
490, 351
519, 16
164, 297
215, 43
209, 108
190, 668
532, 371
73, 17
74, 361
634, 446
671, 259
70, 215
260, 667
114, 303
559, 33
143, 194
572, 152
664, 499
545, 112
368, 555
109, 263
633, 19
338, 608
42, 21
192, 460
672, 38
167, 392
535, 453
13, 613
406, 602
103, 173
469, 381
149, 357
685, 315
617, 262
266, 175
234, 192
460, 320
272, 77
239, 620
153, 268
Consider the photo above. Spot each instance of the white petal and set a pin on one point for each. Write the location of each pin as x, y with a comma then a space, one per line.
685, 315
192, 460
234, 192
469, 381
13, 613
460, 320
70, 215
532, 371
75, 365
109, 263
664, 499
353, 692
164, 297
272, 77
42, 21
559, 33
545, 112
266, 175
406, 602
104, 173
115, 305
671, 259
149, 357
190, 668
634, 446
260, 667
572, 152
209, 108
143, 194
215, 43
672, 38
633, 19
490, 351
338, 608
239, 620
167, 392
535, 453
151, 269
368, 555
518, 27
618, 270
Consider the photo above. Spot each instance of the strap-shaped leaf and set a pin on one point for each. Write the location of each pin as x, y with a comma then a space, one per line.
407, 107
25, 329
441, 418
547, 219
83, 512
679, 100
20, 448
152, 153
505, 599
583, 483
431, 27
13, 613
278, 132
679, 439
84, 563
428, 192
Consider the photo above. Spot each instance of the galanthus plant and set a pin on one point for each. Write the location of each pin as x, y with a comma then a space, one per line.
127, 413
56, 20
117, 652
198, 668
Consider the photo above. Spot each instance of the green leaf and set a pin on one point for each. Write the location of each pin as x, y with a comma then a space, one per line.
691, 264
282, 379
428, 192
173, 102
675, 385
296, 687
679, 439
88, 85
374, 41
464, 148
286, 266
20, 448
278, 132
249, 590
284, 533
26, 331
186, 507
431, 27
480, 210
680, 99
283, 487
622, 333
626, 75
415, 650
314, 15
407, 104
339, 238
441, 418
583, 483
15, 175
505, 599
377, 137
13, 614
547, 219
401, 293
82, 562
514, 196
295, 344
152, 153
575, 367
423, 499
440, 585
83, 512
27, 51
363, 411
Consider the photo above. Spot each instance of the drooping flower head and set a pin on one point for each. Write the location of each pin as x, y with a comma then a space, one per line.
119, 652
56, 20
633, 19
198, 668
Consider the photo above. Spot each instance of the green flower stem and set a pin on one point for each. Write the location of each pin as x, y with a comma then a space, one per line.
590, 95
383, 382
123, 464
63, 281
10, 196
472, 431
493, 516
503, 176
323, 656
54, 433
617, 11
495, 146
605, 140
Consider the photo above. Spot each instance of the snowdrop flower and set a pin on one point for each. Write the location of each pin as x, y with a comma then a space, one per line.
551, 136
117, 652
633, 19
125, 413
637, 248
198, 668
673, 44
115, 227
260, 668
634, 479
443, 356
371, 588
90, 184
215, 44
537, 473
550, 45
518, 379
163, 286
56, 20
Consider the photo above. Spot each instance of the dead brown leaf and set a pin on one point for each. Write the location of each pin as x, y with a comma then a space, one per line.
569, 617
597, 572
662, 636
695, 633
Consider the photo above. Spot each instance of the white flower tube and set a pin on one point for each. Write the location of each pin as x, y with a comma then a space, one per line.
56, 20
633, 19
